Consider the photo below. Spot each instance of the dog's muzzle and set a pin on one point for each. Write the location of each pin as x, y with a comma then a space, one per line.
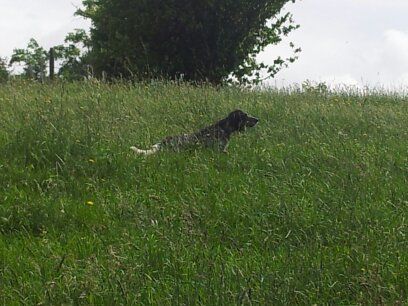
252, 121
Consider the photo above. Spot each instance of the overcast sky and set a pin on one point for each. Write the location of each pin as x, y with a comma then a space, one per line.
353, 42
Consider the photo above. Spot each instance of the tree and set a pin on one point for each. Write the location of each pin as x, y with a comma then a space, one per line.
35, 60
73, 55
4, 74
198, 40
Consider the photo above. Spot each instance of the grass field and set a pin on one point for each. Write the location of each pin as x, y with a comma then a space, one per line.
309, 207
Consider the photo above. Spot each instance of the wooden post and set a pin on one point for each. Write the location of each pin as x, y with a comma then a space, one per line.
52, 55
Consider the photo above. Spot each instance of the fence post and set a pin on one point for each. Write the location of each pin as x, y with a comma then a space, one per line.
52, 55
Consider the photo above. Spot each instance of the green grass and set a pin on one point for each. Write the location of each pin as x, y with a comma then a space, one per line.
310, 207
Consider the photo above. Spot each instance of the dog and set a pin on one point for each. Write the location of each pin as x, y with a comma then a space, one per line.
216, 135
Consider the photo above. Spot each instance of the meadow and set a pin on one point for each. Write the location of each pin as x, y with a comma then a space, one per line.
309, 207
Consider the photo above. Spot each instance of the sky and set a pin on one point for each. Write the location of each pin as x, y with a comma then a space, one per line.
348, 42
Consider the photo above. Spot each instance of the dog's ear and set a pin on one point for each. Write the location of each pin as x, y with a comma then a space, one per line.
237, 119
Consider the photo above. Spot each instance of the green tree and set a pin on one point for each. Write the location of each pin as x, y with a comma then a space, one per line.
198, 40
35, 60
73, 55
4, 74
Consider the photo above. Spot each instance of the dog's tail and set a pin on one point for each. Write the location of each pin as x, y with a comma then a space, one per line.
155, 148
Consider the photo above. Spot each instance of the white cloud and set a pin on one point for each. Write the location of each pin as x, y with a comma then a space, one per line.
396, 46
345, 79
363, 41
403, 79
386, 59
48, 21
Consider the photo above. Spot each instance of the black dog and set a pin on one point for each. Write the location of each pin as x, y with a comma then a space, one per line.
216, 135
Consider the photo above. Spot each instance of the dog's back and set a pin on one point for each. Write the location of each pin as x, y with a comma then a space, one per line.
216, 135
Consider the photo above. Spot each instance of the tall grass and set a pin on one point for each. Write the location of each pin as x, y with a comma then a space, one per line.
309, 207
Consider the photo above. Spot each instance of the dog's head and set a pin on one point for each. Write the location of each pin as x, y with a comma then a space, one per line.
239, 120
